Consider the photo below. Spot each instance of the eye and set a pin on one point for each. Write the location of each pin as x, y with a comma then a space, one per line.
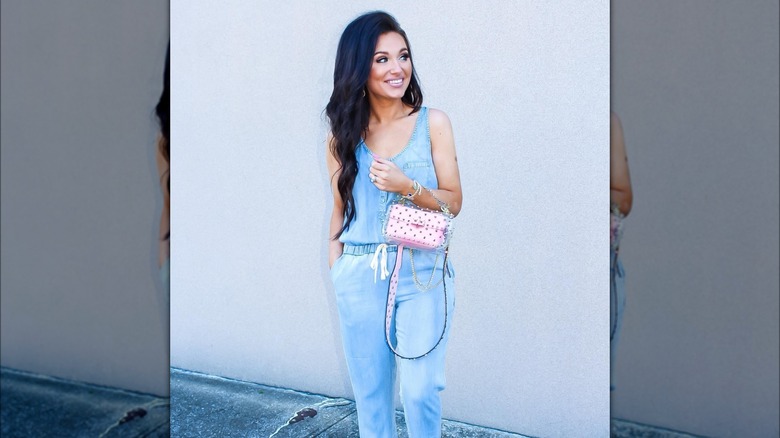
405, 57
381, 59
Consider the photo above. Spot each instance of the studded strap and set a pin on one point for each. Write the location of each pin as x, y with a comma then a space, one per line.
391, 304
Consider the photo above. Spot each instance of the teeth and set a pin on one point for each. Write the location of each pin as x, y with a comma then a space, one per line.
396, 81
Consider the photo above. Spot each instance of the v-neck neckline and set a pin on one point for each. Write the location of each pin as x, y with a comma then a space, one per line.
408, 143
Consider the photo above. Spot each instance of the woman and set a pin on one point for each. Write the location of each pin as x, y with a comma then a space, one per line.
162, 110
621, 198
383, 144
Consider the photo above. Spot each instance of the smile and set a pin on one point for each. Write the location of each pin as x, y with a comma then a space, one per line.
395, 82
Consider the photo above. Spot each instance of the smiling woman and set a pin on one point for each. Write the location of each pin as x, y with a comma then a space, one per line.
384, 146
256, 265
391, 68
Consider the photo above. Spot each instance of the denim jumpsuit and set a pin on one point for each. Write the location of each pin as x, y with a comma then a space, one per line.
361, 296
617, 303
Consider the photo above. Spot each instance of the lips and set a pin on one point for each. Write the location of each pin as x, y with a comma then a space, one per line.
395, 82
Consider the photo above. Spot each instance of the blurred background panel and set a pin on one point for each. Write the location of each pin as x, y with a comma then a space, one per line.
695, 84
81, 295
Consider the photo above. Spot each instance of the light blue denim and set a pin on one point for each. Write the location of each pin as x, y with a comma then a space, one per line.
617, 304
371, 203
361, 296
418, 322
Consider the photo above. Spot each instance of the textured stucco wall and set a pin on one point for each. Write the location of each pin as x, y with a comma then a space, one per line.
696, 87
526, 87
81, 297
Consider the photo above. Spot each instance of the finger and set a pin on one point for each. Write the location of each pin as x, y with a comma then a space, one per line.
377, 167
388, 165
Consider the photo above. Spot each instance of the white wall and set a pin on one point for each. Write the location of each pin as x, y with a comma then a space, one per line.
696, 87
526, 87
80, 197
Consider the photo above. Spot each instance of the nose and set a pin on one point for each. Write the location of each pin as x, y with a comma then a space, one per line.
395, 67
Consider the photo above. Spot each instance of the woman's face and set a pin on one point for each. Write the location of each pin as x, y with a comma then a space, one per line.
391, 68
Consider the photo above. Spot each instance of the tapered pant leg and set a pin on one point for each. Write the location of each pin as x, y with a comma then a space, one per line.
617, 303
419, 321
361, 305
416, 327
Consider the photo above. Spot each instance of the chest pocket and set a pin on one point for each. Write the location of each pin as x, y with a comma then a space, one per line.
416, 164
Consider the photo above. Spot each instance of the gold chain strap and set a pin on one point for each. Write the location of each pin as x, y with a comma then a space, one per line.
443, 205
420, 286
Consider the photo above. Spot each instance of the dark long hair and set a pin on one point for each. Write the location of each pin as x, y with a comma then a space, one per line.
163, 112
348, 109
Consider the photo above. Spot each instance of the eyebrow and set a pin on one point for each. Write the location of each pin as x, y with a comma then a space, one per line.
386, 53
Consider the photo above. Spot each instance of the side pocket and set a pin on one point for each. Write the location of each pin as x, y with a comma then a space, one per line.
335, 266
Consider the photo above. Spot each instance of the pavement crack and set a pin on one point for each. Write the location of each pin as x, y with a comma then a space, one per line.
132, 414
309, 412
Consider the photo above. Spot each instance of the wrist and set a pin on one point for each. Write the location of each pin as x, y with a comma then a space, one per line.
413, 191
408, 188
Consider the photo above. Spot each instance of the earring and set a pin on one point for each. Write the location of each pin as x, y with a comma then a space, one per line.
364, 92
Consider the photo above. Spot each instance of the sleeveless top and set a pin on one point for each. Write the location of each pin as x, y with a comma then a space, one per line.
371, 204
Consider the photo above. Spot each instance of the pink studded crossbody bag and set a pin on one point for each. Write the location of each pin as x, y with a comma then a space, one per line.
418, 228
410, 226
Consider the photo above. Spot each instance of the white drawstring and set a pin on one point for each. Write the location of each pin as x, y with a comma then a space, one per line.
382, 248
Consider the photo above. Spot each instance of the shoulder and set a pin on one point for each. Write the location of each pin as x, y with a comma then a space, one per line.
438, 120
439, 126
440, 132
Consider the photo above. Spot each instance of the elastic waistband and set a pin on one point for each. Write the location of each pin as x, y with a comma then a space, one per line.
365, 249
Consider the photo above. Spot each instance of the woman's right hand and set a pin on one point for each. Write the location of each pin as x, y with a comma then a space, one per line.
335, 249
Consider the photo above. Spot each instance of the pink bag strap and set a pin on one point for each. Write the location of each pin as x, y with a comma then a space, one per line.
391, 303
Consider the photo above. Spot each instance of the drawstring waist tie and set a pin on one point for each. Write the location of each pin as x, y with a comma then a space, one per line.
379, 261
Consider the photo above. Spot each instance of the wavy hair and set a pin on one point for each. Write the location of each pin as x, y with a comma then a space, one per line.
348, 109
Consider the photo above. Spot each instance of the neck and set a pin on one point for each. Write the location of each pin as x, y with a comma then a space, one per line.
383, 111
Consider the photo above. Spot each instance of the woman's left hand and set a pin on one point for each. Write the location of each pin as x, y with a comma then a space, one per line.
388, 177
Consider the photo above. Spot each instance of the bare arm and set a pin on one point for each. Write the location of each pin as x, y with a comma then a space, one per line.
337, 216
619, 179
445, 163
163, 172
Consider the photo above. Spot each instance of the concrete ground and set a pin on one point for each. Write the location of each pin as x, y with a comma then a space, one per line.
201, 405
32, 405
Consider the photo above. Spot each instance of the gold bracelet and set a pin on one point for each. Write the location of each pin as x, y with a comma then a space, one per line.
416, 190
